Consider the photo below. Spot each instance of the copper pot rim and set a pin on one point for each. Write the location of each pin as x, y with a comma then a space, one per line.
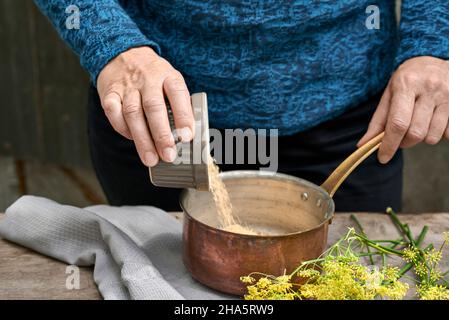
264, 174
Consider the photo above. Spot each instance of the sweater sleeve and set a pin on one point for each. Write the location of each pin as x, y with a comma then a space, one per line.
424, 29
105, 30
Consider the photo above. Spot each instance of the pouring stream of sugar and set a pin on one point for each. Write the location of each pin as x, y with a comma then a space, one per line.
228, 221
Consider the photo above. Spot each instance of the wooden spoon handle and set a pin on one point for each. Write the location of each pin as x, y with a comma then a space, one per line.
346, 167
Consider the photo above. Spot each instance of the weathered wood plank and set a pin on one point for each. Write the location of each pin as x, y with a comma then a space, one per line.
9, 182
25, 274
75, 186
44, 90
88, 183
19, 133
28, 275
50, 181
63, 89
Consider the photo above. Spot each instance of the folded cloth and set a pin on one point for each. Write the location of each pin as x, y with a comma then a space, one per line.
135, 250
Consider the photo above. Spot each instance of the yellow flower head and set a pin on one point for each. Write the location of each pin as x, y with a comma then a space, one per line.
263, 283
283, 279
395, 290
343, 280
410, 254
435, 292
435, 275
391, 273
247, 279
309, 273
433, 256
421, 269
270, 288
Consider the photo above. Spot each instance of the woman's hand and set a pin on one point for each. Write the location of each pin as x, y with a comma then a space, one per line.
131, 89
413, 108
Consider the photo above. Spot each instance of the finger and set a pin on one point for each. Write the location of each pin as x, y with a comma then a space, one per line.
157, 118
398, 122
419, 125
112, 106
438, 124
377, 123
135, 119
177, 93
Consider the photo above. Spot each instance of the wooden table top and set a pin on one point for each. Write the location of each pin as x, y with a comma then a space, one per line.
25, 274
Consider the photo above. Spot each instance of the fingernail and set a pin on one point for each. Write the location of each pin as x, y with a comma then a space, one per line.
169, 154
185, 134
151, 159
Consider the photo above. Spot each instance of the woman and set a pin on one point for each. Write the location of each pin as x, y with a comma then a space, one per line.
320, 72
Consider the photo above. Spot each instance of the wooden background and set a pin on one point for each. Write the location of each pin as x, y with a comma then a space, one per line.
43, 89
43, 108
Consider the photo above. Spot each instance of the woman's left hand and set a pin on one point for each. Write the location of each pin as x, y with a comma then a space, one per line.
413, 108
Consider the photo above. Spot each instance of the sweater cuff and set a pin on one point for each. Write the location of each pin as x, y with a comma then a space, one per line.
423, 45
98, 56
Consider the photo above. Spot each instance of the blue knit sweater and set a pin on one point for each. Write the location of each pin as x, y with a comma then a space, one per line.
264, 64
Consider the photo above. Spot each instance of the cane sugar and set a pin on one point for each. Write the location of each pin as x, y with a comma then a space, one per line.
228, 221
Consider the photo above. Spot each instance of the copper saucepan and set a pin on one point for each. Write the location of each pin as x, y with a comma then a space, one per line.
295, 212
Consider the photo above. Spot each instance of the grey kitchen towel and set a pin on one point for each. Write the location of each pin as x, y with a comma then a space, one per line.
135, 250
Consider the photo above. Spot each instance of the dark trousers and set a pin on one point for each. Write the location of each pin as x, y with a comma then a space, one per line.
311, 155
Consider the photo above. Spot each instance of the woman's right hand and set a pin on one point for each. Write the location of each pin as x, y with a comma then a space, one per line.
132, 88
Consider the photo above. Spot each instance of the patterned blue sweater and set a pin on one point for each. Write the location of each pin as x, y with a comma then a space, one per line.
264, 64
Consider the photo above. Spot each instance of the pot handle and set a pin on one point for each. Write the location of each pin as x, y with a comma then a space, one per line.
350, 163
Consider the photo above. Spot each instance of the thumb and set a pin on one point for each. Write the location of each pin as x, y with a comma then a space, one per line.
370, 133
379, 119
